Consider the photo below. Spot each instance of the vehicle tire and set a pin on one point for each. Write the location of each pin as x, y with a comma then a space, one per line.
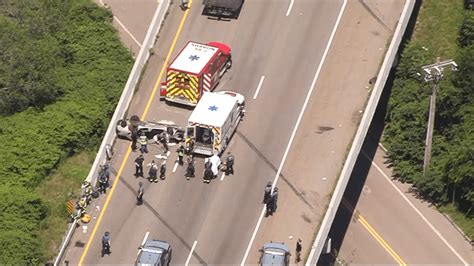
123, 123
171, 255
228, 64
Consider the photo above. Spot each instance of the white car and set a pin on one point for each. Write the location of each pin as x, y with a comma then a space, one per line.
150, 129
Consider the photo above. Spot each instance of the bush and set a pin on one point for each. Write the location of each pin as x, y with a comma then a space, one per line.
451, 170
69, 88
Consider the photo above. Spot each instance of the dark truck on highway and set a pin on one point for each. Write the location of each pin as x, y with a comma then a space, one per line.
222, 8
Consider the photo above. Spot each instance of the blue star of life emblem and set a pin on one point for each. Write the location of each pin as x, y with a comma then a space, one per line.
213, 108
194, 57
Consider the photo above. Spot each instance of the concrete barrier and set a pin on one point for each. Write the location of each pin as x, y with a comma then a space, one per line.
127, 93
122, 106
346, 172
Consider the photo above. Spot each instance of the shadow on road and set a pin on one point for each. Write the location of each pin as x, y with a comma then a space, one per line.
362, 166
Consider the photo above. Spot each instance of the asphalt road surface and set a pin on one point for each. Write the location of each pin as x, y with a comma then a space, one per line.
382, 221
131, 19
220, 215
391, 226
212, 224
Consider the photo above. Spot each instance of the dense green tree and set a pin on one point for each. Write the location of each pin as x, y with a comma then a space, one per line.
466, 34
62, 71
450, 176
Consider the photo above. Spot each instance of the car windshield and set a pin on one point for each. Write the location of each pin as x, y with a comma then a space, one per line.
274, 252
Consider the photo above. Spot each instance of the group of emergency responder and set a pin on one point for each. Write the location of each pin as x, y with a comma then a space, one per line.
212, 166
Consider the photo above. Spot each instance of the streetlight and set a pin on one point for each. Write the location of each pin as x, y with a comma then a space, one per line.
433, 73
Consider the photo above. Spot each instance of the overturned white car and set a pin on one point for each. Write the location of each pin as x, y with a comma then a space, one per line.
150, 129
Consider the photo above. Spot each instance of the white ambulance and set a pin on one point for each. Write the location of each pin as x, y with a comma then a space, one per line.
214, 121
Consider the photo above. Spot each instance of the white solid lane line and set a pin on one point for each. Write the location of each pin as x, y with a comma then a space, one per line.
191, 253
222, 176
289, 8
298, 121
143, 242
124, 28
175, 166
417, 211
258, 87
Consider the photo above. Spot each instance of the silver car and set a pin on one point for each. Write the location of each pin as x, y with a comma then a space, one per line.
154, 252
275, 254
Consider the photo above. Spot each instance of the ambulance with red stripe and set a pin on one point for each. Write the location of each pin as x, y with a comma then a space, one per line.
196, 69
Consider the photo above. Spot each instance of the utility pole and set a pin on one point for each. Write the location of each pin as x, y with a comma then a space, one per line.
433, 73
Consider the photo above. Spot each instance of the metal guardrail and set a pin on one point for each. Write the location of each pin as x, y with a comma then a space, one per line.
121, 108
389, 59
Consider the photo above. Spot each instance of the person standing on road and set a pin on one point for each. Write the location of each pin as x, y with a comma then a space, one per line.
266, 194
180, 154
208, 174
106, 244
272, 203
152, 173
190, 169
102, 182
298, 250
190, 147
134, 136
141, 190
143, 143
163, 170
229, 162
139, 165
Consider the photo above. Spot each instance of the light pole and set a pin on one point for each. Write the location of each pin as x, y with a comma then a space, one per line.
433, 73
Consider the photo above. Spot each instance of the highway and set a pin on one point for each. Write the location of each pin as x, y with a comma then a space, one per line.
381, 220
217, 223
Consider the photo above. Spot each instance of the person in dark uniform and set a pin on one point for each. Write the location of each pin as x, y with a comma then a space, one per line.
266, 194
102, 182
106, 244
190, 169
229, 163
208, 174
139, 165
153, 172
141, 190
163, 170
298, 250
134, 139
272, 203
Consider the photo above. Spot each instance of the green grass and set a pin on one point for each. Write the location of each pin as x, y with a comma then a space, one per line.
465, 223
54, 191
437, 26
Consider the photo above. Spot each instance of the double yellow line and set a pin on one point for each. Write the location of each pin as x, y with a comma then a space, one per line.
374, 233
143, 116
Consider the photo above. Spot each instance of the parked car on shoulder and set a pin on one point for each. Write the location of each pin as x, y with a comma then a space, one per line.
154, 252
273, 253
124, 129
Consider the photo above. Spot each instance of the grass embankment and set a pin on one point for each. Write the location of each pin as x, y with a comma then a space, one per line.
55, 191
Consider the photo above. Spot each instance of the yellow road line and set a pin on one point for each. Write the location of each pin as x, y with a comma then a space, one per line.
122, 166
374, 233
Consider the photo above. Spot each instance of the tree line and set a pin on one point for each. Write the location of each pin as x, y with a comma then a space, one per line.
62, 70
450, 176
